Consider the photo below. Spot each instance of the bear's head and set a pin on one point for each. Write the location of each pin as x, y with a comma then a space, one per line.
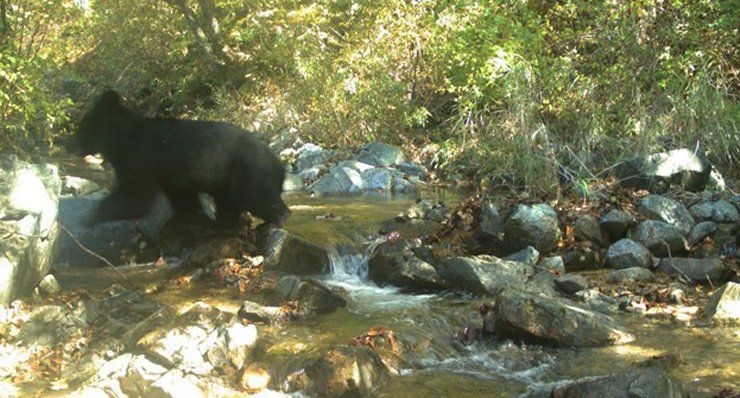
103, 129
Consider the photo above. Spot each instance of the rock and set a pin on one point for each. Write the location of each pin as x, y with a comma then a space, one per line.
695, 270
173, 385
426, 210
29, 195
214, 250
49, 286
571, 283
530, 317
724, 305
346, 371
587, 228
254, 312
310, 174
141, 373
401, 185
640, 382
720, 211
528, 255
239, 341
392, 262
156, 320
661, 238
553, 265
355, 165
491, 222
310, 155
680, 168
289, 253
254, 378
627, 253
582, 259
292, 183
598, 301
413, 169
77, 186
677, 293
633, 274
701, 231
377, 179
484, 274
660, 208
616, 223
118, 241
339, 180
49, 325
379, 154
314, 297
535, 225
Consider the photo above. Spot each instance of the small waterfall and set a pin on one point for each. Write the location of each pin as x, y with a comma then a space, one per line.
350, 262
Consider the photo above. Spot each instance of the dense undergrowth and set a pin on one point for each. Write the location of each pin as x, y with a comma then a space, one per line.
512, 90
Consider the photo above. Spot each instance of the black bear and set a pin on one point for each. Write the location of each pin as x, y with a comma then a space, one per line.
180, 158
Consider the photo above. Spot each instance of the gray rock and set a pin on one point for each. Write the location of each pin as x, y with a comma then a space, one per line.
627, 253
491, 222
310, 155
78, 186
154, 321
680, 168
724, 305
695, 270
535, 225
402, 185
634, 274
484, 274
720, 211
528, 255
239, 342
310, 174
700, 231
292, 183
640, 382
49, 325
393, 263
660, 208
174, 385
661, 238
255, 312
553, 265
587, 228
355, 165
49, 286
376, 179
339, 180
140, 375
29, 195
379, 154
582, 259
426, 210
571, 283
616, 223
314, 297
413, 169
289, 253
598, 301
530, 317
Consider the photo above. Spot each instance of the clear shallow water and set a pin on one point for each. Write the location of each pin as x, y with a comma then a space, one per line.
440, 367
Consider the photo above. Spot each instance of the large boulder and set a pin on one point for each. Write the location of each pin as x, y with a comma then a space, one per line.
657, 207
310, 155
29, 196
535, 318
484, 274
661, 238
720, 211
627, 253
680, 168
698, 270
338, 180
700, 231
377, 179
586, 228
633, 274
616, 223
392, 262
379, 154
314, 297
724, 305
535, 226
289, 253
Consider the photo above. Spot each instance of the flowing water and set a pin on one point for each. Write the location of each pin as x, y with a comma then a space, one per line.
440, 367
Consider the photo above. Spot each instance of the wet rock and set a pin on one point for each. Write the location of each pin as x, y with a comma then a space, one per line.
724, 305
661, 238
660, 208
627, 253
701, 231
582, 259
528, 255
314, 297
292, 254
239, 341
571, 283
530, 317
413, 169
598, 301
377, 179
587, 228
426, 210
255, 312
342, 372
338, 180
681, 168
392, 262
553, 265
491, 221
408, 228
535, 225
292, 182
254, 378
29, 195
156, 320
695, 270
49, 325
640, 382
633, 274
214, 250
310, 155
720, 211
140, 375
174, 385
382, 155
616, 223
484, 274
49, 286
77, 186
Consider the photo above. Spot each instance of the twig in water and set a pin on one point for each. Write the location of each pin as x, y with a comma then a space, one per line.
96, 255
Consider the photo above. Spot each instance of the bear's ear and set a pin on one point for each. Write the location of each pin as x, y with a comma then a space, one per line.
109, 99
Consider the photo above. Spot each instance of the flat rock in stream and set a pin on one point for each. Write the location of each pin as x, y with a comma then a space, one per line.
313, 297
538, 319
292, 254
724, 305
392, 263
487, 274
698, 270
